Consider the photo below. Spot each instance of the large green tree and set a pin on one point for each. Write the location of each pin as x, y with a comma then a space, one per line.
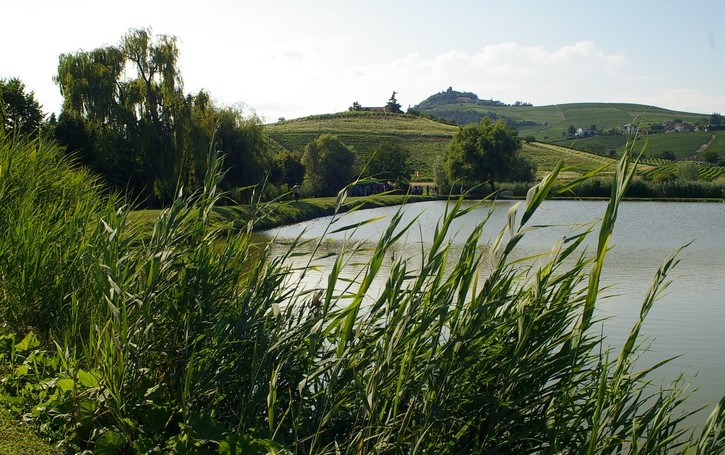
287, 169
390, 161
125, 111
329, 165
241, 142
132, 95
710, 156
485, 153
20, 113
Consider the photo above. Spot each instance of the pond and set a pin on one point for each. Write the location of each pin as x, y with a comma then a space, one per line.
687, 321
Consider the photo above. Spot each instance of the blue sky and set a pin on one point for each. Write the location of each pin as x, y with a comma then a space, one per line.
286, 58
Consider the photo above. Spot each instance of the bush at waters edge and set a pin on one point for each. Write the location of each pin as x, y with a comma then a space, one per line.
171, 341
283, 212
279, 213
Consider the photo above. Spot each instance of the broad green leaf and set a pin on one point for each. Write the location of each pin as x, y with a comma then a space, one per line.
110, 443
28, 343
88, 380
65, 384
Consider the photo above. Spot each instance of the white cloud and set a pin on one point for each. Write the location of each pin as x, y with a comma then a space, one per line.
506, 71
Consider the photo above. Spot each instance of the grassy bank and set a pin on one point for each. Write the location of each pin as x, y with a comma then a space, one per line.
282, 213
166, 340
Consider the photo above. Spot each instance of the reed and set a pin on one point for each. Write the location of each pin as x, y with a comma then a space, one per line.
190, 341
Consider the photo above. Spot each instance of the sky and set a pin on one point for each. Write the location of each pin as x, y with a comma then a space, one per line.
294, 58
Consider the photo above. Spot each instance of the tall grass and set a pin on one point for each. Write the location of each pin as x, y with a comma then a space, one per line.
188, 341
47, 213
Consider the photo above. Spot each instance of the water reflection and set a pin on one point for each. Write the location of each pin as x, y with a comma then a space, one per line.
687, 319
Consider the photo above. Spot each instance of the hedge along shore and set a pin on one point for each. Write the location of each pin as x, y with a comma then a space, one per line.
283, 213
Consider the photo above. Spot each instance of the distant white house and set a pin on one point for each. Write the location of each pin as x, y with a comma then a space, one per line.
683, 128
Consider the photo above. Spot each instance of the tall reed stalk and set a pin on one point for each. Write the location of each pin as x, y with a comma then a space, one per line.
190, 341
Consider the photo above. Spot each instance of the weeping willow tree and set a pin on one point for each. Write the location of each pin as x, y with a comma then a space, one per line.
126, 103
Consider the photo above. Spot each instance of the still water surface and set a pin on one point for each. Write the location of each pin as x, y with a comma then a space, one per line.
688, 320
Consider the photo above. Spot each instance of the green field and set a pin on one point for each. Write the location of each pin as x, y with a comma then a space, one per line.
683, 145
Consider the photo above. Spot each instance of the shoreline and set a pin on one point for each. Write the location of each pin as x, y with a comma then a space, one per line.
284, 213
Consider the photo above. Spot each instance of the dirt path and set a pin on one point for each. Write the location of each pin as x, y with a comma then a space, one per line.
707, 144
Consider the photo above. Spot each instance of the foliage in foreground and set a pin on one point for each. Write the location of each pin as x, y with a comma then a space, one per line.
182, 342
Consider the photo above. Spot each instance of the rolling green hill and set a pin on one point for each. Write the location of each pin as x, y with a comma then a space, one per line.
551, 122
425, 139
554, 124
547, 123
548, 130
682, 145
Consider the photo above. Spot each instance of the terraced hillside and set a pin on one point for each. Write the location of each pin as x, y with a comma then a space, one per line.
425, 139
550, 123
576, 162
682, 134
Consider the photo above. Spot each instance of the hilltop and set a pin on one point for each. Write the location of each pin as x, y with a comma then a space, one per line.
553, 122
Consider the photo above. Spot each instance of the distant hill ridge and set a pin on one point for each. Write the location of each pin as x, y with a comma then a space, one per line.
555, 122
451, 96
428, 139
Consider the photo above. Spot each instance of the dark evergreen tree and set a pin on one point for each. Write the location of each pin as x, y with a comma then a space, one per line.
390, 161
393, 105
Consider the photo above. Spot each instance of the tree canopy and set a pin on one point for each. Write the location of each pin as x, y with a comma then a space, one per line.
287, 168
710, 156
329, 165
125, 110
486, 152
19, 111
389, 161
